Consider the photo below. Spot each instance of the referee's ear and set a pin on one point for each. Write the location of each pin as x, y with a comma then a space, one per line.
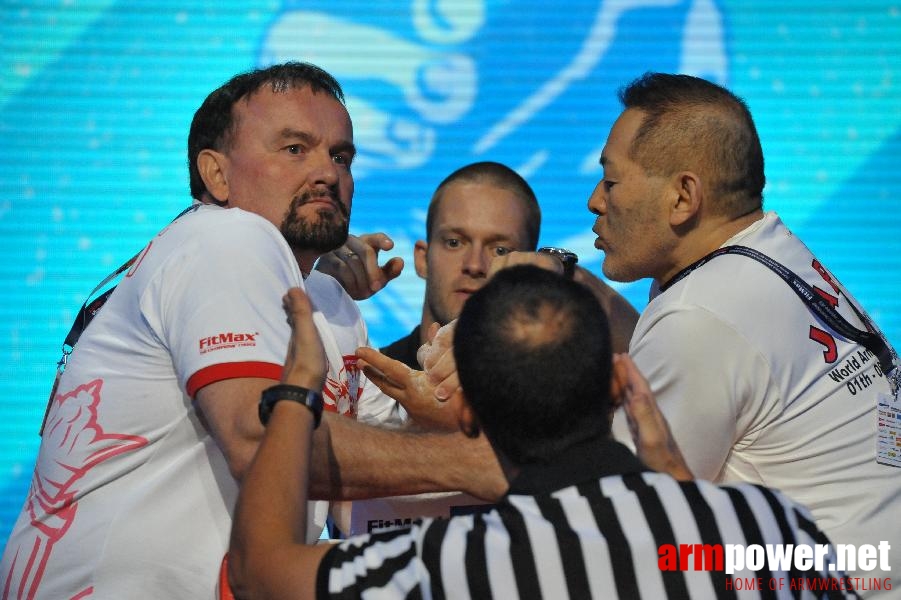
466, 418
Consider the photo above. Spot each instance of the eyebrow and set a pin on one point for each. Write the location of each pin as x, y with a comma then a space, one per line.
295, 134
501, 237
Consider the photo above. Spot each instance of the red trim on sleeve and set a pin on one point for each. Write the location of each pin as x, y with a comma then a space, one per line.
222, 371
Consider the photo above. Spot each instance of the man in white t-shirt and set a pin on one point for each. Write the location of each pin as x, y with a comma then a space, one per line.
155, 420
756, 385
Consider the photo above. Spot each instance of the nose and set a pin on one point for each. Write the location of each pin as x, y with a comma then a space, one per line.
597, 202
475, 262
323, 170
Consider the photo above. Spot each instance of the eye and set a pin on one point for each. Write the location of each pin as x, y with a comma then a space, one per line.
608, 185
294, 149
342, 159
452, 243
502, 250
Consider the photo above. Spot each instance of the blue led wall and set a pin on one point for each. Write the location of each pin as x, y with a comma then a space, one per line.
96, 97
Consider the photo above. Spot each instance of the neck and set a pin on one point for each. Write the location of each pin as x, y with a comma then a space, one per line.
306, 260
704, 241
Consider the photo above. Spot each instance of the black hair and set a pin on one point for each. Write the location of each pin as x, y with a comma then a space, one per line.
214, 122
534, 361
693, 124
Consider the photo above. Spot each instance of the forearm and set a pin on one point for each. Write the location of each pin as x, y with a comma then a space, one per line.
621, 315
353, 461
270, 516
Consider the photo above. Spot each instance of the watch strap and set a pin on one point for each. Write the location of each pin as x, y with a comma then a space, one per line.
283, 391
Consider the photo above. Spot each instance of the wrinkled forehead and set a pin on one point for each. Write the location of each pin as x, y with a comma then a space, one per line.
318, 115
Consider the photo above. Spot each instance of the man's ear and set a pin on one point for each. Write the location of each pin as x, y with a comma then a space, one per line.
213, 166
466, 418
420, 258
618, 382
687, 197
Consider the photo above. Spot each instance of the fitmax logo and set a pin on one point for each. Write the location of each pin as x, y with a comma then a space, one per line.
227, 340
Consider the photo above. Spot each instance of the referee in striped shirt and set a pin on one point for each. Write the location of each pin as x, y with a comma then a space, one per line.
583, 517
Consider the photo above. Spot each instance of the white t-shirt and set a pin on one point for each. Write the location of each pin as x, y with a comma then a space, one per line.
131, 496
733, 357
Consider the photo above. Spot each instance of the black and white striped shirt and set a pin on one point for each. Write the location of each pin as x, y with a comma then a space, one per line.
591, 525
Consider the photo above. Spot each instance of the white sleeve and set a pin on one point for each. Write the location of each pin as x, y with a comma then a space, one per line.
221, 309
704, 376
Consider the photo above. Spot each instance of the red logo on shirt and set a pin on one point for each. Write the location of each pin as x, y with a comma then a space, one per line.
340, 395
227, 340
73, 443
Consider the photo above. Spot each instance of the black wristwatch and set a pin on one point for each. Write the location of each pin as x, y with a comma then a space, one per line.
567, 257
294, 393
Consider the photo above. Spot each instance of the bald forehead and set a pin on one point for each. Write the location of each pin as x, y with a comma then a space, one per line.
496, 209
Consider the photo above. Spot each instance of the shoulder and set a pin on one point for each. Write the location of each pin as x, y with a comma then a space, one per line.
338, 308
327, 293
233, 227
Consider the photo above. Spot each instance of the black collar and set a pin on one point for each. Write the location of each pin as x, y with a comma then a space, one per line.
585, 461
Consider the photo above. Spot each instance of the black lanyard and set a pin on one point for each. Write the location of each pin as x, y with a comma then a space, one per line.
86, 314
871, 339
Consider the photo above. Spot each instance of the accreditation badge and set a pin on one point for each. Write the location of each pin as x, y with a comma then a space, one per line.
888, 445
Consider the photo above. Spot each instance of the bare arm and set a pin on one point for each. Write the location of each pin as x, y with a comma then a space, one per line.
267, 554
352, 460
228, 409
621, 315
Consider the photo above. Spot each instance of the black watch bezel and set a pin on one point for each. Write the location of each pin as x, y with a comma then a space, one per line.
567, 257
283, 391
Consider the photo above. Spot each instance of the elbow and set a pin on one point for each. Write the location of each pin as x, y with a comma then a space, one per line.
237, 576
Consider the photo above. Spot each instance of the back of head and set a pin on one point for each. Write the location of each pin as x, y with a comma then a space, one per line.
691, 124
534, 360
214, 122
497, 175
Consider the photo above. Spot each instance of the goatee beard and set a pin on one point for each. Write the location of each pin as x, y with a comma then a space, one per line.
328, 232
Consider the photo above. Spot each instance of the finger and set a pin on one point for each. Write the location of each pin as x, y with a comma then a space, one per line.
545, 261
638, 392
367, 248
441, 342
439, 364
448, 388
498, 263
383, 382
359, 271
385, 368
392, 269
377, 241
305, 362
